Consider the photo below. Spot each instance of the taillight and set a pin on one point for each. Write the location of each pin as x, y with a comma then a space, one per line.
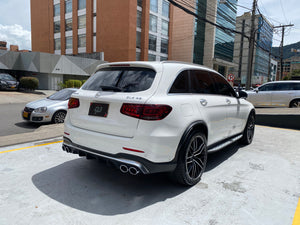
146, 111
73, 103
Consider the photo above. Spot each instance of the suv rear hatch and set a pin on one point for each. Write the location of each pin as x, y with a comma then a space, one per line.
102, 96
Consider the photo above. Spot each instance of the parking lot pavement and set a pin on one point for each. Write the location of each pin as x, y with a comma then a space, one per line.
255, 184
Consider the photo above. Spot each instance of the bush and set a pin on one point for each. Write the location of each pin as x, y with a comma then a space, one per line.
73, 84
29, 83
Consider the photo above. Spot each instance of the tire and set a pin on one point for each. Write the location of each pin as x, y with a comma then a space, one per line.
190, 166
295, 103
248, 133
59, 117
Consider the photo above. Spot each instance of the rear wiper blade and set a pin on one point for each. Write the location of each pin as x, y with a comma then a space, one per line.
110, 88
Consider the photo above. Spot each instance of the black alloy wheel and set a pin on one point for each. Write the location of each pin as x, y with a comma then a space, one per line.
249, 130
59, 117
192, 160
295, 104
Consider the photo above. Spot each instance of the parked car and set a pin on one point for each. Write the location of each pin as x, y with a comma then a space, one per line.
149, 117
8, 82
276, 94
51, 109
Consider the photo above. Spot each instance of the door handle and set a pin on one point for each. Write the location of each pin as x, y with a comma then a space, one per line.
228, 101
203, 102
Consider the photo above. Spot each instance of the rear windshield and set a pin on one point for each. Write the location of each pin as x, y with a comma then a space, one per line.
120, 79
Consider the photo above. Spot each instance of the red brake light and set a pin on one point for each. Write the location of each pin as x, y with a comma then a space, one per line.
73, 103
146, 111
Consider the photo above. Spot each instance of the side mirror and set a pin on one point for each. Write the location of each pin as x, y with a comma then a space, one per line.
242, 94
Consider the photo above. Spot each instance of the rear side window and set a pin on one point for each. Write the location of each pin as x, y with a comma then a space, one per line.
222, 86
267, 87
283, 87
202, 82
181, 84
296, 86
120, 79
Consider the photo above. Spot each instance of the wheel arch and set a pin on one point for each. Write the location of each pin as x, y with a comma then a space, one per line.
292, 101
58, 110
195, 126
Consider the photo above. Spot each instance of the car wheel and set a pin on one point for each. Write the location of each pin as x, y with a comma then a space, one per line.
192, 160
248, 133
295, 104
59, 117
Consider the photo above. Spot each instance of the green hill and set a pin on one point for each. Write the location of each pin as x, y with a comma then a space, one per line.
286, 50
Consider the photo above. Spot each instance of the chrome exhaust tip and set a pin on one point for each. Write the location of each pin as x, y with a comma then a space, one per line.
124, 168
133, 171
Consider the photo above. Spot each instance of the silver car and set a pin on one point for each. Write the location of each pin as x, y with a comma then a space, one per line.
276, 94
51, 109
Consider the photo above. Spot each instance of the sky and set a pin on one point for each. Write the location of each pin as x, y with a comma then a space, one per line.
15, 20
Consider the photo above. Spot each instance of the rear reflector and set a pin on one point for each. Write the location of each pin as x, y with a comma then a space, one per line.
133, 150
73, 103
146, 111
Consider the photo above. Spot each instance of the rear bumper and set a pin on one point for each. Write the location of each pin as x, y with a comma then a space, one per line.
141, 164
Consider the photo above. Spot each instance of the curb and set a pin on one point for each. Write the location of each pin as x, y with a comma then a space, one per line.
42, 133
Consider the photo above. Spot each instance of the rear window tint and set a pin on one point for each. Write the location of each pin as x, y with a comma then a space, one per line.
120, 79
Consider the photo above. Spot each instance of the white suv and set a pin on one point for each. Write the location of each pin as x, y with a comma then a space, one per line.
149, 117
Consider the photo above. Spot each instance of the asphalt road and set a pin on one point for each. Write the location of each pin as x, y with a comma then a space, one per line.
12, 122
242, 185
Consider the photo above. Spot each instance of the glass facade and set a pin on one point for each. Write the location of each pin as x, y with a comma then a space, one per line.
165, 9
57, 10
154, 6
81, 41
199, 32
139, 19
224, 40
140, 3
69, 6
57, 27
138, 39
81, 4
264, 44
57, 44
152, 42
69, 25
81, 21
153, 23
164, 46
151, 57
69, 42
164, 27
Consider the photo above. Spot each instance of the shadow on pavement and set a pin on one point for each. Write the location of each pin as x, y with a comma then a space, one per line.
96, 188
28, 125
216, 158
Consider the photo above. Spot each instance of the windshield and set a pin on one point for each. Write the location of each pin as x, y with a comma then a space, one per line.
4, 76
62, 95
120, 79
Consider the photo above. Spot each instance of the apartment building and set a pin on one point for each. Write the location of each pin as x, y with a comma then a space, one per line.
122, 30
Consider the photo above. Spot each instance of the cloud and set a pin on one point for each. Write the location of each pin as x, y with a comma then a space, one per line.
16, 35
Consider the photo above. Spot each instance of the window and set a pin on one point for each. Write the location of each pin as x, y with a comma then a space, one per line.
165, 9
57, 44
152, 42
69, 25
138, 39
137, 56
139, 19
165, 27
69, 42
81, 4
153, 23
154, 6
81, 22
223, 88
81, 41
57, 10
267, 87
126, 79
68, 6
283, 87
202, 82
163, 58
151, 57
140, 3
57, 27
164, 46
181, 83
296, 86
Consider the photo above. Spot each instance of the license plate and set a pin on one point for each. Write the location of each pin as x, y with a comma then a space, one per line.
98, 109
25, 114
12, 86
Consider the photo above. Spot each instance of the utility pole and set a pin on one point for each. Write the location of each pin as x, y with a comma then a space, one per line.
251, 46
269, 64
241, 50
281, 47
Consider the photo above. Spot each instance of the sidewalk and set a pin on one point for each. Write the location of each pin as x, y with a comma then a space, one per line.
10, 97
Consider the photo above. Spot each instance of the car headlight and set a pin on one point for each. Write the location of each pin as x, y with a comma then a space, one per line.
3, 82
40, 110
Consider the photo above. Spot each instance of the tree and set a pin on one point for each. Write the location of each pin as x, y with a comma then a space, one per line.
296, 72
